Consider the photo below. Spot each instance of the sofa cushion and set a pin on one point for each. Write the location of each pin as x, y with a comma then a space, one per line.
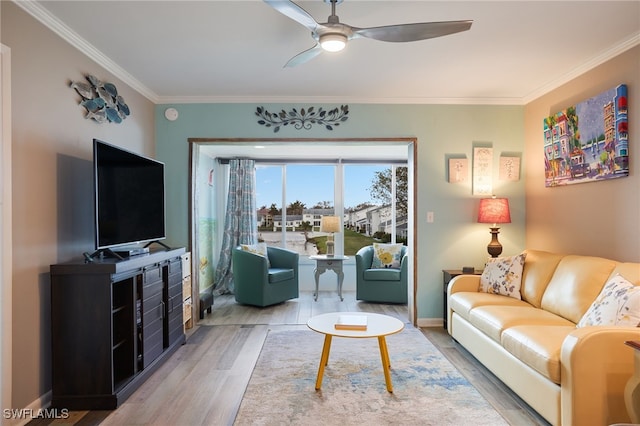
381, 275
503, 275
277, 275
493, 320
386, 256
617, 304
260, 249
575, 285
538, 346
463, 302
539, 267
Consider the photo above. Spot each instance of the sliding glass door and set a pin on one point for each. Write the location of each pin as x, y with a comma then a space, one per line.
366, 197
307, 193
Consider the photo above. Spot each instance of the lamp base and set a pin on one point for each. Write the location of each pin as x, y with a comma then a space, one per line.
330, 248
494, 248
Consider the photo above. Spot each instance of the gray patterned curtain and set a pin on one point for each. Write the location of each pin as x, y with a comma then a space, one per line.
240, 222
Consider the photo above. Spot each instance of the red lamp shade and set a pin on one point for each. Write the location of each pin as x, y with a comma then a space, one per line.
494, 210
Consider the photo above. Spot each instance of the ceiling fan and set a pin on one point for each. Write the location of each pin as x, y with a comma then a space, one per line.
332, 36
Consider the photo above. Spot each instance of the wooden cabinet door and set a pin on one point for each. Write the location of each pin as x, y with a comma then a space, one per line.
152, 314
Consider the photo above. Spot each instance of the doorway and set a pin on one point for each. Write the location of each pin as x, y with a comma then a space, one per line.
207, 181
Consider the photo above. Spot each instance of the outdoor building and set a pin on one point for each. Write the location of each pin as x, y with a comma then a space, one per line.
314, 216
367, 220
358, 220
264, 218
293, 222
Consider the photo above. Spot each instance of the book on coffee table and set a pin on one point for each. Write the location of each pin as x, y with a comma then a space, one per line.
351, 322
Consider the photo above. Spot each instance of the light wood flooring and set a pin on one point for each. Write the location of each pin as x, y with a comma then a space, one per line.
204, 381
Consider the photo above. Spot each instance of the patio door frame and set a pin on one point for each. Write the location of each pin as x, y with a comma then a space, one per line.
412, 147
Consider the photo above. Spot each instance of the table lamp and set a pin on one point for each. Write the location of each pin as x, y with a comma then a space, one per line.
330, 224
494, 210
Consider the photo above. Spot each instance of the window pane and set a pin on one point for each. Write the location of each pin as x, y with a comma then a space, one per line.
367, 199
309, 196
269, 203
401, 205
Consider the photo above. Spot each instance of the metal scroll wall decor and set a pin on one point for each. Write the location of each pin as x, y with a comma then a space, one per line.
101, 100
303, 118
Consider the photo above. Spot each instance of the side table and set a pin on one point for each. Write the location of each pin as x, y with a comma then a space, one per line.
448, 275
632, 390
328, 263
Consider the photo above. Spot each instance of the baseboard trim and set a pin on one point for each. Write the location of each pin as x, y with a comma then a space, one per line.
430, 322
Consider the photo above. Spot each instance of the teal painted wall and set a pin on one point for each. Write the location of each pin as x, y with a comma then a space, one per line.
453, 240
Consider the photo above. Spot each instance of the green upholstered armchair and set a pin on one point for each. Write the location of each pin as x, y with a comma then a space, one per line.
261, 285
380, 285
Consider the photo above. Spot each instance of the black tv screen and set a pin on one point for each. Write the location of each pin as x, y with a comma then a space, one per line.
129, 197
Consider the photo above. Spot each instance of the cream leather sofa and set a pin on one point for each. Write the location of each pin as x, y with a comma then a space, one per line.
569, 375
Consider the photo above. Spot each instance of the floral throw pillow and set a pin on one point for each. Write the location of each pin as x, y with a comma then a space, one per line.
503, 275
259, 249
617, 304
386, 256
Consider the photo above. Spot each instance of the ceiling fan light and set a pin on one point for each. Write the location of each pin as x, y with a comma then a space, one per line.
333, 42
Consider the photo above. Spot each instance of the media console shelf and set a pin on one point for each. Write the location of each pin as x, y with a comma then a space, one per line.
113, 323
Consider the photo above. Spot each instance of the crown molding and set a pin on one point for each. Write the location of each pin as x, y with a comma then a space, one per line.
599, 59
333, 100
34, 9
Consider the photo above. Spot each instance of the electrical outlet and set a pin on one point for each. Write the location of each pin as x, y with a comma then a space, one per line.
430, 217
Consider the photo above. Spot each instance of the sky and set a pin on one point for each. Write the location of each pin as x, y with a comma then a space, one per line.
314, 183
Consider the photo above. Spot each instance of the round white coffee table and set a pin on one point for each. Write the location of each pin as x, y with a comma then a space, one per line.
378, 325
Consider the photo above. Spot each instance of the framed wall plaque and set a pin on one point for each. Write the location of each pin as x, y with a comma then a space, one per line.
482, 170
509, 168
458, 170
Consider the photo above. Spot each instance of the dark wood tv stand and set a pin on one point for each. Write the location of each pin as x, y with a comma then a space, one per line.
113, 323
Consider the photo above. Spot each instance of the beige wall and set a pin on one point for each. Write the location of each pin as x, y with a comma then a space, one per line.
600, 218
52, 181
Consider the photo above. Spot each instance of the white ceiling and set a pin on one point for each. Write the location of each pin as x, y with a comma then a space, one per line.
234, 51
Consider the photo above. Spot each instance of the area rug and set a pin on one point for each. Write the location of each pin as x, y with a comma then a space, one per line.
427, 388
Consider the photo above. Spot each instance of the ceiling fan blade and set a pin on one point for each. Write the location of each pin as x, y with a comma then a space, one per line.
413, 32
305, 56
293, 11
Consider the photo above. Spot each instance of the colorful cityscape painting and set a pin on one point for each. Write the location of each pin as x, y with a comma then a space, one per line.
588, 142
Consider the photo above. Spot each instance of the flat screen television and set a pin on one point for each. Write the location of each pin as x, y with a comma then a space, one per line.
129, 197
